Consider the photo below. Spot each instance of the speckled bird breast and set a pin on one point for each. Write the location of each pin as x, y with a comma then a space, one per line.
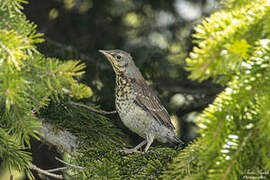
124, 94
130, 113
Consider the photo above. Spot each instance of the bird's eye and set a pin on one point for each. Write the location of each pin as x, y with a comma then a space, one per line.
118, 57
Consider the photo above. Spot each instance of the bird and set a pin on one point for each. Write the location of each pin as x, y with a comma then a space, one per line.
137, 103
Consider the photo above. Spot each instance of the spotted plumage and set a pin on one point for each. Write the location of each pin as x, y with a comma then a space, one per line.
137, 104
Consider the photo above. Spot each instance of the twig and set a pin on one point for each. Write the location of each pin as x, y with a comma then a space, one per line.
56, 176
92, 109
70, 165
57, 169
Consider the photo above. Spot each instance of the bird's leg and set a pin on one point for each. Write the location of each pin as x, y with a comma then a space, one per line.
149, 142
135, 149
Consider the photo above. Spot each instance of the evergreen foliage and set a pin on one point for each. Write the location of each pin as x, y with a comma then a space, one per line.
101, 142
233, 48
28, 81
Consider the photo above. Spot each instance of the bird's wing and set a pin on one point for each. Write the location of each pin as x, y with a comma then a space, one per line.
147, 99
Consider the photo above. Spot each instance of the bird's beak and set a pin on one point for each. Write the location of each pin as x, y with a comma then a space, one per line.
107, 54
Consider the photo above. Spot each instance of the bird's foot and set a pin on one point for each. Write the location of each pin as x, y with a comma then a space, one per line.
135, 149
132, 150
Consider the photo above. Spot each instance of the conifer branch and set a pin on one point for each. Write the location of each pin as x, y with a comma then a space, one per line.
57, 169
68, 164
228, 169
92, 109
45, 172
62, 139
49, 172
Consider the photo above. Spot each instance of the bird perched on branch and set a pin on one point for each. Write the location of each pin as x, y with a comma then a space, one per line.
136, 103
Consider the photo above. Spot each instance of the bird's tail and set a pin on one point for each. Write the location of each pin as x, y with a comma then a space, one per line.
176, 140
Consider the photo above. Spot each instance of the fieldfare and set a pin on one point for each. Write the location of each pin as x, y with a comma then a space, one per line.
137, 104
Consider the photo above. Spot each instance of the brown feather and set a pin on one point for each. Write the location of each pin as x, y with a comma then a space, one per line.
148, 100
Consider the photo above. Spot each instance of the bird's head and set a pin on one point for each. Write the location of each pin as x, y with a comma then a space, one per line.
121, 61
